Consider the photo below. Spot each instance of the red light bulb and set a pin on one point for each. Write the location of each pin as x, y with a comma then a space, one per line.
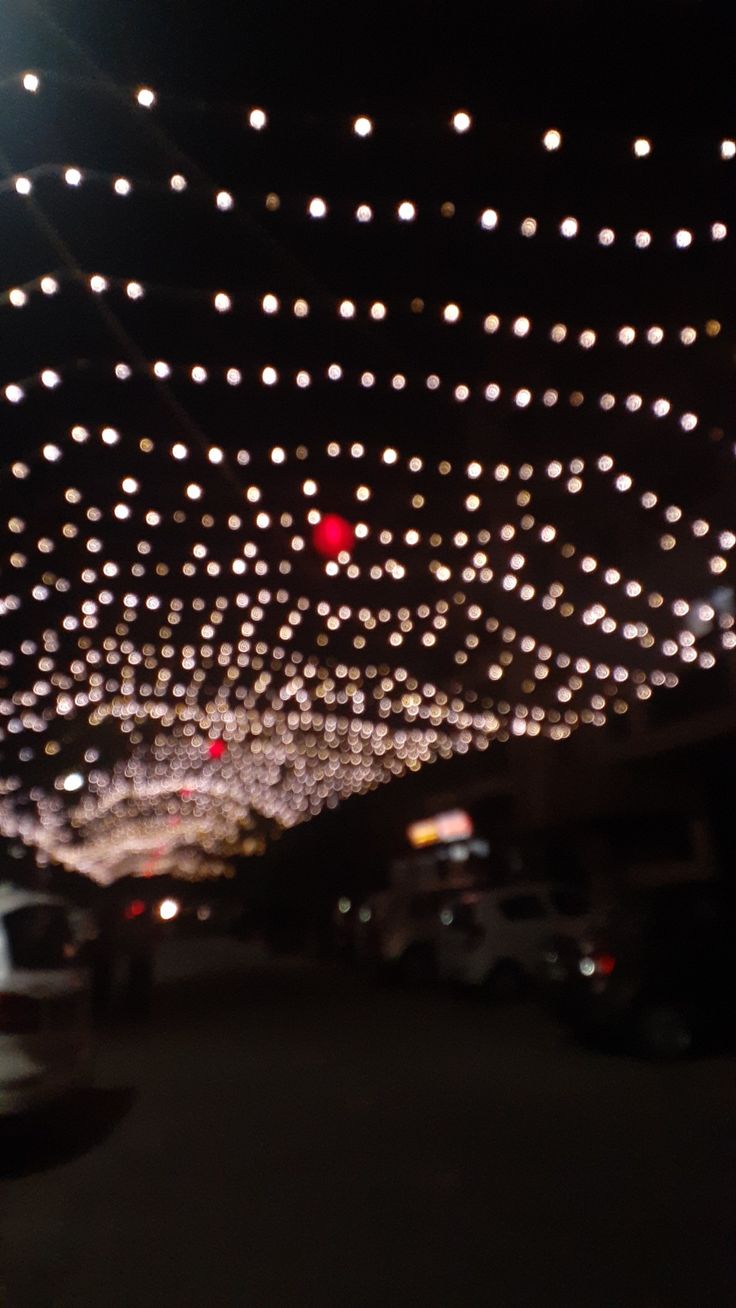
333, 535
217, 748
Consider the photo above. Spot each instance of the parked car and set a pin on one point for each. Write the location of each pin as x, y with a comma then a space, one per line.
399, 932
493, 939
656, 971
45, 1030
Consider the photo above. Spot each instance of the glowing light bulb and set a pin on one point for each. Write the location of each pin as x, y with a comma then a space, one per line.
489, 219
406, 211
224, 201
146, 97
362, 126
270, 303
31, 82
569, 227
121, 186
23, 185
642, 147
461, 121
552, 139
258, 119
72, 176
317, 207
223, 303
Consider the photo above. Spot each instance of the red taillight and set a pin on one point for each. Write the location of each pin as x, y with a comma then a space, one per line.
136, 908
604, 964
19, 1014
598, 964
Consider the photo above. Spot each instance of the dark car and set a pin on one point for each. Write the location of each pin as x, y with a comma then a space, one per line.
657, 971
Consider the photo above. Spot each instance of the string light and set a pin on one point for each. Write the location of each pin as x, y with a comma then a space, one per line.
251, 677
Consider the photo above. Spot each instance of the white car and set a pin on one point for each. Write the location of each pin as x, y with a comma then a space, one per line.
45, 1027
494, 938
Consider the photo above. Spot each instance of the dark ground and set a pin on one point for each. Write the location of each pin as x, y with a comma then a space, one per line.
285, 1134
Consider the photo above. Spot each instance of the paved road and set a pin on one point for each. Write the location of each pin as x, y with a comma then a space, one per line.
284, 1134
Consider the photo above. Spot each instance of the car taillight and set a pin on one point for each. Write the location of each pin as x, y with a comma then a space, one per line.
19, 1014
598, 964
136, 908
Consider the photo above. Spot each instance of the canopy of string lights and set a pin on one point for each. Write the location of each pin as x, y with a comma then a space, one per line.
333, 446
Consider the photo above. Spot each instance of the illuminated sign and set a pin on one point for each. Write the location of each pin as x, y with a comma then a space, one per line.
440, 829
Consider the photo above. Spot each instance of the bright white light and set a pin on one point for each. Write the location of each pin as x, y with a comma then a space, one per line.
627, 335
51, 453
461, 121
451, 313
168, 909
552, 140
14, 394
73, 781
17, 297
178, 182
49, 285
642, 147
523, 397
50, 379
122, 186
642, 240
521, 327
224, 201
334, 372
683, 238
606, 236
316, 207
406, 211
31, 82
718, 232
134, 291
269, 376
194, 492
347, 309
364, 213
569, 227
123, 371
179, 450
489, 219
110, 436
161, 369
129, 485
378, 311
270, 303
23, 185
97, 284
146, 97
258, 119
362, 126
223, 303
72, 177
215, 454
728, 149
